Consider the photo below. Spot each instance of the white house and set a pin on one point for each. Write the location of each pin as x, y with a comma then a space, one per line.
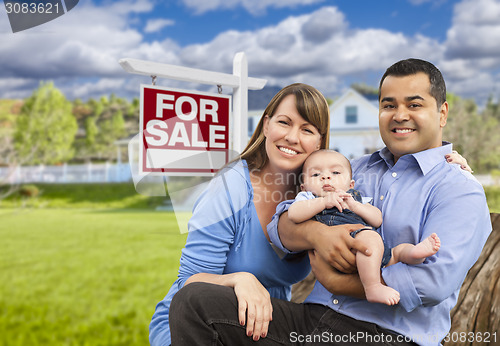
353, 124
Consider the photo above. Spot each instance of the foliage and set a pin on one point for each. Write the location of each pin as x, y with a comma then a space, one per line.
493, 108
84, 277
364, 89
474, 135
8, 112
46, 127
9, 109
29, 190
493, 198
41, 136
103, 122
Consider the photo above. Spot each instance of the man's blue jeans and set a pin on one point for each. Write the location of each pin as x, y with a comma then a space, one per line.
207, 314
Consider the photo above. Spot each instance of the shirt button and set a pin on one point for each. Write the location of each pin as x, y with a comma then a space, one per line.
382, 197
394, 174
335, 301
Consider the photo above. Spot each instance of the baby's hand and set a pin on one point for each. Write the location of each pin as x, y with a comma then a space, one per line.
347, 199
333, 199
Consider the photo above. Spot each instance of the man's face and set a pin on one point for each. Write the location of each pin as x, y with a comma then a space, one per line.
409, 118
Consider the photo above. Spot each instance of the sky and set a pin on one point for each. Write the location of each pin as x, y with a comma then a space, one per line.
329, 44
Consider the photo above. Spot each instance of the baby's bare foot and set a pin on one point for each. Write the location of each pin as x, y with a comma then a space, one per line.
379, 293
428, 247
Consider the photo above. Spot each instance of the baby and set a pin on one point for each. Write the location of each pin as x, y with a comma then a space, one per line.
327, 194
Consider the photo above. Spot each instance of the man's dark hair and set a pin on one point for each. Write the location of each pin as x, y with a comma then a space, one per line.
413, 66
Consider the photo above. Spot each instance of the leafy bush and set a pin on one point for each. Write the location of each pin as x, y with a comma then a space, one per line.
29, 191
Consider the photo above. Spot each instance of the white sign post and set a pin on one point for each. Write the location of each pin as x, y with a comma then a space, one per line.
239, 81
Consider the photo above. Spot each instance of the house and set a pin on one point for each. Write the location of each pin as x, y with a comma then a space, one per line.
353, 124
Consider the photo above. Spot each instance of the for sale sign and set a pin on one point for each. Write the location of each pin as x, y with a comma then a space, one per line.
183, 132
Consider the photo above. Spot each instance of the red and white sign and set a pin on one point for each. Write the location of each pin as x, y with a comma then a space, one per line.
183, 132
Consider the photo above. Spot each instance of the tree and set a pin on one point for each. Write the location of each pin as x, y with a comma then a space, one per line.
110, 130
492, 108
364, 89
46, 127
8, 155
103, 121
473, 135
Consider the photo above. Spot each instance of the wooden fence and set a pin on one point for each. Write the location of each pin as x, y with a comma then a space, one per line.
87, 173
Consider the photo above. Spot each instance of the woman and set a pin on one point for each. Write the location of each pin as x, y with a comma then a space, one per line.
227, 242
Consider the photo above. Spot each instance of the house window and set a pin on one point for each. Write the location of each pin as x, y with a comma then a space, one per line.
250, 126
351, 114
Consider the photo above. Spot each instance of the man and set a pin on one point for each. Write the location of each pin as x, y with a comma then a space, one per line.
419, 194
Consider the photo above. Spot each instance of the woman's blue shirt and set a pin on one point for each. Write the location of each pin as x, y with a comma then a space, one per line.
225, 236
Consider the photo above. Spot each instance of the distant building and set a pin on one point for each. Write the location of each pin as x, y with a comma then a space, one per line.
354, 128
353, 124
253, 120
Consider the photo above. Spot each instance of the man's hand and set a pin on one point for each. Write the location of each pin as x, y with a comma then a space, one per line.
334, 281
335, 245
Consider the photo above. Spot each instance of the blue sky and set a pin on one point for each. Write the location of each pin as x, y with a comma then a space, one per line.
326, 43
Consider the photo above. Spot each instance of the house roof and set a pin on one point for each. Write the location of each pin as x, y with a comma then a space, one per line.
351, 92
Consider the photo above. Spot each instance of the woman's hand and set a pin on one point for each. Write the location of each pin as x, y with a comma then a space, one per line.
455, 157
254, 304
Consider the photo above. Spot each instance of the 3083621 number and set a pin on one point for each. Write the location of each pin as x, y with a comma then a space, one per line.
481, 337
33, 8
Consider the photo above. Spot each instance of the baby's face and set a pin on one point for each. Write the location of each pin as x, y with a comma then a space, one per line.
325, 172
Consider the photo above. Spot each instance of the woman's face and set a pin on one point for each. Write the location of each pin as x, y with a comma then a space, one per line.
289, 138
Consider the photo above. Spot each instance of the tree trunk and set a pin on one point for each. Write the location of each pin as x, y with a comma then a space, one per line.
476, 315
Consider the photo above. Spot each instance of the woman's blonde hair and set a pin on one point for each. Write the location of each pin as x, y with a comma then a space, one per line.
311, 105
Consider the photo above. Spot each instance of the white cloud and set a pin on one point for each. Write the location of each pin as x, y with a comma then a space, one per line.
154, 25
80, 50
130, 6
477, 12
17, 88
88, 40
254, 7
317, 48
475, 32
435, 3
471, 62
97, 88
322, 25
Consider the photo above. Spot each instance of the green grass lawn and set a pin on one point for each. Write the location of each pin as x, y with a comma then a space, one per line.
86, 264
84, 276
493, 198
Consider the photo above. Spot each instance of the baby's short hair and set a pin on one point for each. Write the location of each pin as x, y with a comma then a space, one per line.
348, 164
